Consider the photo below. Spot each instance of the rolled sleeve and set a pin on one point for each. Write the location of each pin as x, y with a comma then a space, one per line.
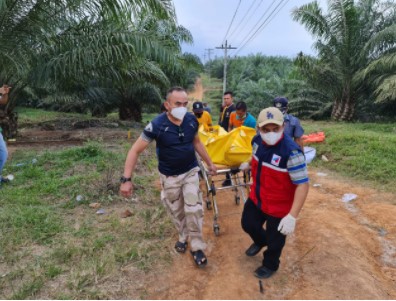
297, 168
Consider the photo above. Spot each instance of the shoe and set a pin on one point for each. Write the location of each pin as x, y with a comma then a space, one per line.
199, 258
226, 183
4, 180
253, 250
263, 272
181, 247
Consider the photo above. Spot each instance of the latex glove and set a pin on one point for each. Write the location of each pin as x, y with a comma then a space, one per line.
287, 225
244, 166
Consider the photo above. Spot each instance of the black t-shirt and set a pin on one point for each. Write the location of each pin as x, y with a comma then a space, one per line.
226, 116
175, 149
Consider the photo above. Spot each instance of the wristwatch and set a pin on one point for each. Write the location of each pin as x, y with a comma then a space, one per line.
124, 180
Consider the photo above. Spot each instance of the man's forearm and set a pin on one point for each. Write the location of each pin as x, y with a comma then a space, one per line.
299, 199
130, 163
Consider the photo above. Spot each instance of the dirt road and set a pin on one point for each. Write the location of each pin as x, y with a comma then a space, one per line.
340, 250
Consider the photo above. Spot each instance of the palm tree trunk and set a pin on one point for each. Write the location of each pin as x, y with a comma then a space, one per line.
130, 110
338, 108
349, 110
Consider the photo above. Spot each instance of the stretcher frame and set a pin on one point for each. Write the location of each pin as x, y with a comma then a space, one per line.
238, 185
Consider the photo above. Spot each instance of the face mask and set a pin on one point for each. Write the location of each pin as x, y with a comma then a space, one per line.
271, 138
240, 117
198, 115
179, 112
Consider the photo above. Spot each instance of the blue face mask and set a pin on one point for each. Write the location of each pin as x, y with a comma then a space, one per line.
240, 118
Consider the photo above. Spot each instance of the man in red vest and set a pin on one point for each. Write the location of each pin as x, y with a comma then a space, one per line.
279, 189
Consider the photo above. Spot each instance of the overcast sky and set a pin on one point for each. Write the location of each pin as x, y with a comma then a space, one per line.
210, 20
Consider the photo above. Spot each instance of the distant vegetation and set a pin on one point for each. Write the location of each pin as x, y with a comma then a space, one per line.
353, 77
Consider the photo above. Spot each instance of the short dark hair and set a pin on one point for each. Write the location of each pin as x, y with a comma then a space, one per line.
173, 89
241, 105
228, 92
163, 109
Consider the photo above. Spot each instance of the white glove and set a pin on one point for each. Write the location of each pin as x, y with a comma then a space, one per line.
244, 166
287, 225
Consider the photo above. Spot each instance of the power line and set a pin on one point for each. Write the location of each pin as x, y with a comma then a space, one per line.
232, 21
259, 20
244, 24
265, 23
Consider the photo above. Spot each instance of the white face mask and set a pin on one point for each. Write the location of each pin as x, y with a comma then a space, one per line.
179, 112
271, 138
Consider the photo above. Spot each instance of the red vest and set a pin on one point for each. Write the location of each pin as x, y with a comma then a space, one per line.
272, 190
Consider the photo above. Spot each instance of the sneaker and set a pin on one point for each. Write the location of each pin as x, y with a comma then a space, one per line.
226, 183
253, 250
263, 272
4, 180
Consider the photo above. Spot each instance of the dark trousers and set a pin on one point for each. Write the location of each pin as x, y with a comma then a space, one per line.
252, 221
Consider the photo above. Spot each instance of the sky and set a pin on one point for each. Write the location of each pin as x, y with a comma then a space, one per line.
212, 22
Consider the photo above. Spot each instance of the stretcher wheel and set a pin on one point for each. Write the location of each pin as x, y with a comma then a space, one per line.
216, 229
237, 199
209, 205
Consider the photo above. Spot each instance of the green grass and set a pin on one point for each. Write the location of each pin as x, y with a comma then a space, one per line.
49, 239
363, 151
31, 116
213, 95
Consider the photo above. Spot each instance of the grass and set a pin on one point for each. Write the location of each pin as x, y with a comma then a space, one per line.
213, 95
50, 240
30, 116
363, 151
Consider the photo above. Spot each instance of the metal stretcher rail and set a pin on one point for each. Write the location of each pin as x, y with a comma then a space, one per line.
238, 185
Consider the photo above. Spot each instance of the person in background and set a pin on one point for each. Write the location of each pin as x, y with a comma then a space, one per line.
203, 116
241, 117
279, 189
228, 108
3, 147
175, 133
207, 107
293, 127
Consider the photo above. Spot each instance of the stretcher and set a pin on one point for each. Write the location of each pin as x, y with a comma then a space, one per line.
227, 151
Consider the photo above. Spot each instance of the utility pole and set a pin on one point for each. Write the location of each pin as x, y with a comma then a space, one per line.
209, 50
225, 63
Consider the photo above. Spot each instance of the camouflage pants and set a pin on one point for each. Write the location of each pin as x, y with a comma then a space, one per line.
183, 199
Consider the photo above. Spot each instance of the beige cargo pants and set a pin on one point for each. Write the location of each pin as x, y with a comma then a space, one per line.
183, 199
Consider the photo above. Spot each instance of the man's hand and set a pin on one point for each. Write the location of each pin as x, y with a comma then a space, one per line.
126, 189
287, 225
244, 166
212, 169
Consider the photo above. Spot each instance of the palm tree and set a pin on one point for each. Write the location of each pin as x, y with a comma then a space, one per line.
65, 46
354, 40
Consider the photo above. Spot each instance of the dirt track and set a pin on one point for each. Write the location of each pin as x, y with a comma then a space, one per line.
339, 251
